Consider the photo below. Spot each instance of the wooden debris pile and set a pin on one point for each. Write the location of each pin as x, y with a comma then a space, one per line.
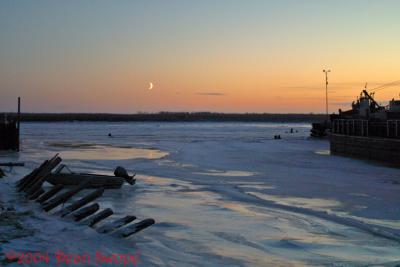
82, 210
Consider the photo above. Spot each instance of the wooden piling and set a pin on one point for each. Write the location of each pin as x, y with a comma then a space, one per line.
22, 184
98, 217
116, 224
36, 194
38, 184
39, 179
84, 212
54, 190
44, 169
47, 206
31, 175
134, 228
19, 123
82, 202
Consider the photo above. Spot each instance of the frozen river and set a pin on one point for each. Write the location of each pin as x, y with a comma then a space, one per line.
222, 194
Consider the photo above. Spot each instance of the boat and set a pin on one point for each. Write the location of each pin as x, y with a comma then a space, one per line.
368, 130
64, 176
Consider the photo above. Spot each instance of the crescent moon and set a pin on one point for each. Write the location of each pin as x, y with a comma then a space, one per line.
150, 85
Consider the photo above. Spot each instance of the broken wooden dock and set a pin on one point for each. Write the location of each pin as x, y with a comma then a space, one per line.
82, 210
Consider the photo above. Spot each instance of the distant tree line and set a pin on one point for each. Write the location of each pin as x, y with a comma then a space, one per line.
170, 117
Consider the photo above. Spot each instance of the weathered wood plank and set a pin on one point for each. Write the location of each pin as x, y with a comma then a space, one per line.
82, 202
96, 180
54, 202
54, 190
91, 221
84, 212
107, 228
133, 228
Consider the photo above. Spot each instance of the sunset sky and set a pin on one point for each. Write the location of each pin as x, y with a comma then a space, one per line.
225, 56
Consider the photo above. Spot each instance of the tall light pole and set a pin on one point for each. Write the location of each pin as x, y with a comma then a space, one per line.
326, 92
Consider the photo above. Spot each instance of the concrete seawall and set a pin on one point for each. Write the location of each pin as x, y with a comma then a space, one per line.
384, 150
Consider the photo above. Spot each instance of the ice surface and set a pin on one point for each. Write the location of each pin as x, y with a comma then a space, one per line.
222, 194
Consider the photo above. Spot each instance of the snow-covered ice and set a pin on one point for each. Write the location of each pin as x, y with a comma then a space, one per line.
222, 194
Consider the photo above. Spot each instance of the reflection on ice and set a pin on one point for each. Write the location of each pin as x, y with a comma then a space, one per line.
203, 222
358, 194
106, 152
326, 205
166, 182
311, 203
226, 173
243, 209
172, 163
80, 145
257, 186
325, 152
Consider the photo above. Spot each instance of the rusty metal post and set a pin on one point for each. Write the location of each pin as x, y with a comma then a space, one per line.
18, 122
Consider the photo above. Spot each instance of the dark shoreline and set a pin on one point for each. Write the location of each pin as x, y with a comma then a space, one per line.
169, 117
